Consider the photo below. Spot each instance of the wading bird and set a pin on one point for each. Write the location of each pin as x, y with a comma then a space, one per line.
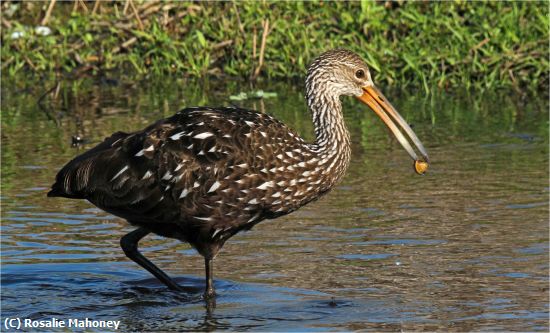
205, 174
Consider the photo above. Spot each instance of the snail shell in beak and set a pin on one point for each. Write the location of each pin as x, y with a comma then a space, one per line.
420, 167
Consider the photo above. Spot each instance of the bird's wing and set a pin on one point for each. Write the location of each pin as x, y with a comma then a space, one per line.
200, 165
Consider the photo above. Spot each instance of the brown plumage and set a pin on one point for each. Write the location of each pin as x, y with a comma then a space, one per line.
205, 174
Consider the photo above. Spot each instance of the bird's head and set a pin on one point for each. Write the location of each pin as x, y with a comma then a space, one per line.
342, 72
339, 71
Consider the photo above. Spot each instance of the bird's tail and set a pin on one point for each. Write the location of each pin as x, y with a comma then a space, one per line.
75, 179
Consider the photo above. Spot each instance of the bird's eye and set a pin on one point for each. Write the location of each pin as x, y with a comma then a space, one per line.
360, 74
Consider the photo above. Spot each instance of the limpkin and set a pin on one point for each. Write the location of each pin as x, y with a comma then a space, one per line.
205, 174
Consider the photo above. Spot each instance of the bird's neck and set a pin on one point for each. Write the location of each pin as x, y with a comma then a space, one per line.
332, 142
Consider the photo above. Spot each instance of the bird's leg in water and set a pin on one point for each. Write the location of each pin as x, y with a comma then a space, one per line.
129, 244
209, 267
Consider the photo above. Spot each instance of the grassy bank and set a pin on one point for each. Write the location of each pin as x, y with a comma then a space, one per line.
427, 44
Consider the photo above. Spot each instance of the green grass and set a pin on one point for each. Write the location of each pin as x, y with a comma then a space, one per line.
433, 45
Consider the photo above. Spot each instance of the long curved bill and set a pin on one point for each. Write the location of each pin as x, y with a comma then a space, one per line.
383, 108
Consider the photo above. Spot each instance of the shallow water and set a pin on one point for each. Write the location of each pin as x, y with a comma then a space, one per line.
462, 248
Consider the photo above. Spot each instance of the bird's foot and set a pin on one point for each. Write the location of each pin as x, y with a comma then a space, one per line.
210, 299
209, 293
176, 287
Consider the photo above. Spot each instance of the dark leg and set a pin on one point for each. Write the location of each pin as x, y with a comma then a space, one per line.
129, 244
209, 266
